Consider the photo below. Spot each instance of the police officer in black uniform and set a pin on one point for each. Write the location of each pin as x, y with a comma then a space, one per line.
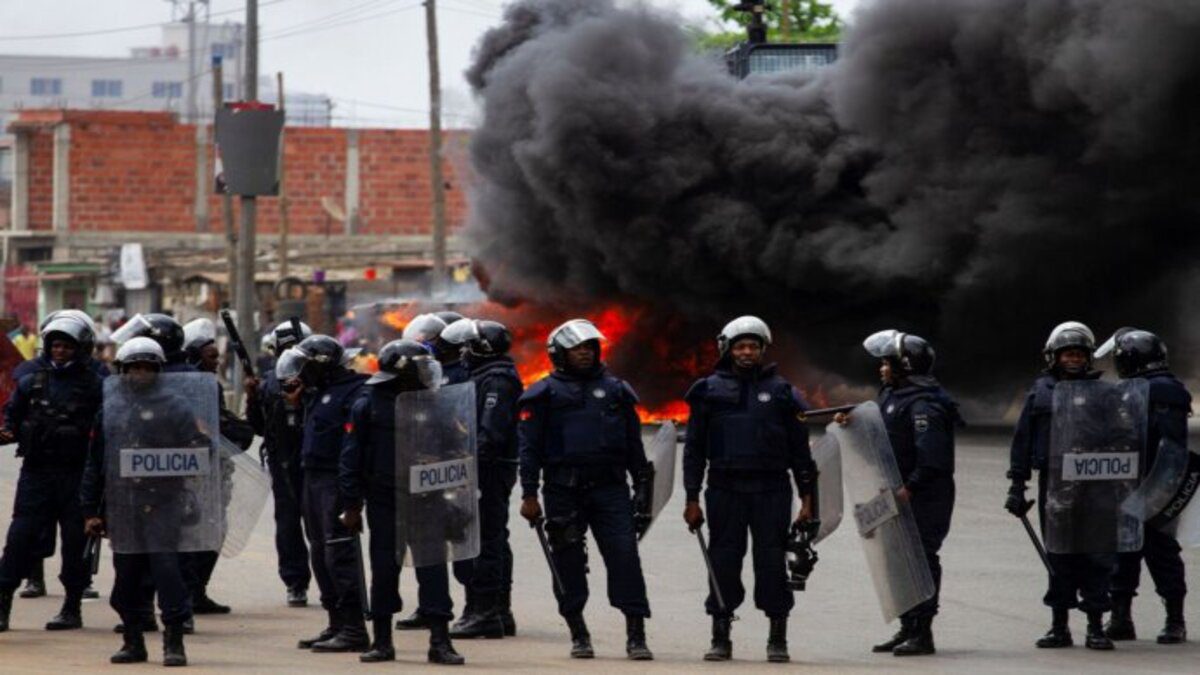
1081, 579
1139, 353
497, 389
920, 418
281, 425
51, 415
743, 426
579, 435
367, 475
35, 585
173, 425
427, 330
320, 363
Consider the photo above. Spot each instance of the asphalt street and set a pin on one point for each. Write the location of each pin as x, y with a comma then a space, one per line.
991, 607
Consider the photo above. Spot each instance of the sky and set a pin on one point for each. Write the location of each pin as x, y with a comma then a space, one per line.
368, 55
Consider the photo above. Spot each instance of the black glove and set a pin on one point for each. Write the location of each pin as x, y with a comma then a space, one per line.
1016, 504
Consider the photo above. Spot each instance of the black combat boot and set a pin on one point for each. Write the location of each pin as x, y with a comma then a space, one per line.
352, 637
581, 639
6, 598
635, 639
381, 648
441, 650
1059, 635
777, 649
202, 604
483, 622
90, 593
506, 616
297, 597
173, 654
133, 648
722, 643
1096, 639
920, 639
415, 621
898, 639
189, 626
1120, 624
35, 585
69, 617
334, 625
147, 625
1175, 630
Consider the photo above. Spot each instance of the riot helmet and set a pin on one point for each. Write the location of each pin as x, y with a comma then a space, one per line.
459, 333
1138, 352
86, 339
320, 357
424, 328
163, 329
1069, 335
492, 339
140, 350
743, 326
449, 316
267, 344
911, 356
284, 335
66, 327
570, 335
408, 363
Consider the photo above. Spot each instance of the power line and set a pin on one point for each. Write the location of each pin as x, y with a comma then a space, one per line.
123, 29
339, 24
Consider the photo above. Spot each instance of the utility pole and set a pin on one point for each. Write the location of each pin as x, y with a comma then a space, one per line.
231, 252
200, 206
246, 292
191, 47
785, 19
283, 200
435, 149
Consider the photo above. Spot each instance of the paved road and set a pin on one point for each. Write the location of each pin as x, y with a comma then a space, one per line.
991, 609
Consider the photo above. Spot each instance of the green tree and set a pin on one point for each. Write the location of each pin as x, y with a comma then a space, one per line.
787, 20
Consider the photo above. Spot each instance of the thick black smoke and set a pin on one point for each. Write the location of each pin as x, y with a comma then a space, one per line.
975, 171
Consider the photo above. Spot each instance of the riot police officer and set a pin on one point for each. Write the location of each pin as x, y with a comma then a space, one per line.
1139, 353
1080, 579
743, 426
167, 421
35, 586
497, 389
367, 475
920, 418
281, 425
51, 415
579, 435
320, 363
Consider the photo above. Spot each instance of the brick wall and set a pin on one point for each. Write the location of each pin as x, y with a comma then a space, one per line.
134, 171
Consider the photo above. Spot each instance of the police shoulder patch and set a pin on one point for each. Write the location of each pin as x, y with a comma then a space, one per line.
491, 399
921, 423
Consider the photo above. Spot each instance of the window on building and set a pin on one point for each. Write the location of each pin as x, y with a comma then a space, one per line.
45, 86
107, 88
167, 90
228, 92
225, 50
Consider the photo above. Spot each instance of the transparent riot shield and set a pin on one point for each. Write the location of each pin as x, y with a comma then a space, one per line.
245, 486
886, 525
1165, 500
827, 454
661, 455
437, 493
162, 468
1097, 435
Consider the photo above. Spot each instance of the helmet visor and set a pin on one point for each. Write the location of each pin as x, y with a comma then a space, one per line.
289, 364
461, 332
199, 333
135, 326
574, 333
884, 344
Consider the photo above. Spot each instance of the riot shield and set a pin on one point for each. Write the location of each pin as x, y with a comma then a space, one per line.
886, 525
162, 469
661, 455
827, 454
245, 488
437, 488
1097, 433
1166, 498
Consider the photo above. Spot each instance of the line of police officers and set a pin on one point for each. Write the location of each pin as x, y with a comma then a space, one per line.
574, 438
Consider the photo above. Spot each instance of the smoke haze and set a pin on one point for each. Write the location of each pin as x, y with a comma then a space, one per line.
974, 171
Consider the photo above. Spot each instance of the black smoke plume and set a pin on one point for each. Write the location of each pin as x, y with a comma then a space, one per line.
974, 171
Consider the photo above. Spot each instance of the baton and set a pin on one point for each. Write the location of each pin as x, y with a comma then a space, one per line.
538, 527
355, 541
1037, 543
821, 412
712, 574
297, 331
91, 555
235, 339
